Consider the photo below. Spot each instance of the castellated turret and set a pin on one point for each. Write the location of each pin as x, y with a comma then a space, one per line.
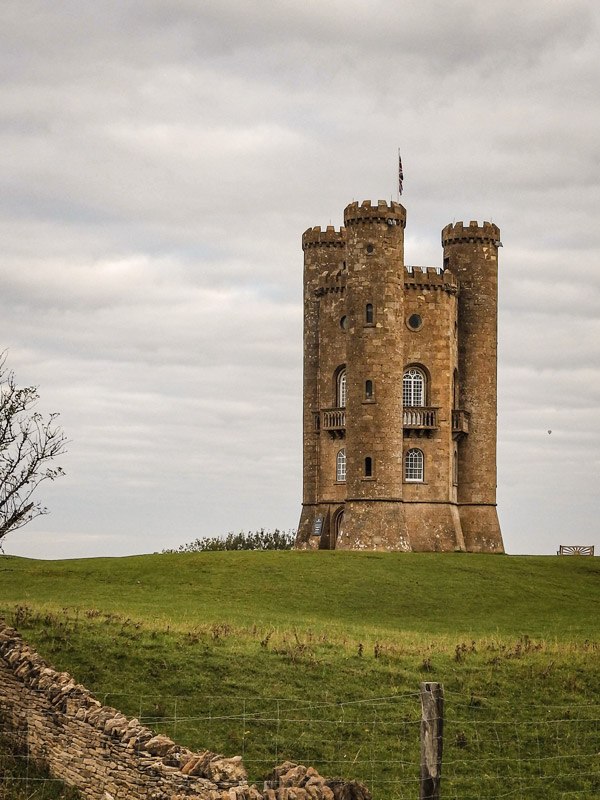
399, 388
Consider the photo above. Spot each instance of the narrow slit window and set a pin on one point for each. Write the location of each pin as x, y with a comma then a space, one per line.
368, 467
368, 390
369, 314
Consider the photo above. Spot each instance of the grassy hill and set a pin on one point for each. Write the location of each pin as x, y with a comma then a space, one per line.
318, 657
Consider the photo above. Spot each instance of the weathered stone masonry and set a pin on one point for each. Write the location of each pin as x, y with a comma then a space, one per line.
97, 750
399, 387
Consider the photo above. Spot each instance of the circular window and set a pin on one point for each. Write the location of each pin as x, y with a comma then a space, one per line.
370, 248
344, 323
415, 322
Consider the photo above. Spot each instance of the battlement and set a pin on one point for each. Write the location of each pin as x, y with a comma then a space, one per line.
487, 232
315, 237
430, 278
332, 282
330, 289
366, 212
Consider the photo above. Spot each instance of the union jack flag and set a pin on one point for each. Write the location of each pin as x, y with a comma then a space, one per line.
400, 173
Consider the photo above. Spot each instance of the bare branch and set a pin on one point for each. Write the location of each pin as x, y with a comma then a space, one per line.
28, 446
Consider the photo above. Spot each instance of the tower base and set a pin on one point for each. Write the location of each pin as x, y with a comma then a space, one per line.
319, 526
398, 526
433, 527
373, 525
481, 528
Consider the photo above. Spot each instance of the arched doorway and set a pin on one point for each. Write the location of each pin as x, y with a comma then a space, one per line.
338, 527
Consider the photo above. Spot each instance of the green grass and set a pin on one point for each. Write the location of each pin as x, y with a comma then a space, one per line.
317, 657
23, 779
385, 594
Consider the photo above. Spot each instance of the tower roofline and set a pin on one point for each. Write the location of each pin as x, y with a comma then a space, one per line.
315, 237
459, 232
430, 277
392, 213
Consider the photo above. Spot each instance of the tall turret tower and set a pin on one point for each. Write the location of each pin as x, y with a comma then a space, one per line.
373, 514
399, 388
472, 254
324, 357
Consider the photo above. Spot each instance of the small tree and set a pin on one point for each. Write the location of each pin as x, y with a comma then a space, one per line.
28, 445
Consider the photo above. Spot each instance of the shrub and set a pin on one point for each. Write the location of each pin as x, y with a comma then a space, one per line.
257, 540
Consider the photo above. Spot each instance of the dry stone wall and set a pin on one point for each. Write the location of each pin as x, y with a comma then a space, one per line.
105, 755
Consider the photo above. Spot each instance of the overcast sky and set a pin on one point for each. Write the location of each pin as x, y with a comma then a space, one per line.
160, 160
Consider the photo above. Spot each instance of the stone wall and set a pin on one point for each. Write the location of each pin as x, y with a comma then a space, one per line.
105, 755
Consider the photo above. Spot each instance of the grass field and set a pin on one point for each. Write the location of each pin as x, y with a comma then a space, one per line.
20, 779
317, 657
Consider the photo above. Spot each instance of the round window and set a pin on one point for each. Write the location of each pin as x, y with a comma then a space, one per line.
415, 322
370, 248
344, 323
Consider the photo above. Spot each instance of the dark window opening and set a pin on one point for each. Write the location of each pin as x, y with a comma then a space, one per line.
370, 248
415, 321
368, 390
368, 467
446, 263
369, 314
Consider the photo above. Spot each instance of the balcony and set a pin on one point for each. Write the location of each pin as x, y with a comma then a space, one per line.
333, 420
419, 418
460, 423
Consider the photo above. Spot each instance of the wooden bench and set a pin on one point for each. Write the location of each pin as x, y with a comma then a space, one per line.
576, 550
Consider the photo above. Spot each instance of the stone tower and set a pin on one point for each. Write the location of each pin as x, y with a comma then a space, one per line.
399, 388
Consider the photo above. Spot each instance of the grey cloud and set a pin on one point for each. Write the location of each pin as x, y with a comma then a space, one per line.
158, 164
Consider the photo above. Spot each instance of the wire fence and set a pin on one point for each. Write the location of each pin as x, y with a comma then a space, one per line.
490, 751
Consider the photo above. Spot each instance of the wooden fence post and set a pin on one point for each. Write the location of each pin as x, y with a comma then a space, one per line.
432, 729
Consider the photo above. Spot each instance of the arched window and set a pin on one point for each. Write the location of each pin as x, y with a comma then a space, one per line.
368, 467
368, 390
341, 391
413, 387
414, 466
369, 316
340, 466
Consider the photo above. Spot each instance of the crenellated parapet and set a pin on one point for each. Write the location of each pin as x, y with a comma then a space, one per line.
332, 284
367, 213
473, 232
323, 290
315, 237
430, 278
